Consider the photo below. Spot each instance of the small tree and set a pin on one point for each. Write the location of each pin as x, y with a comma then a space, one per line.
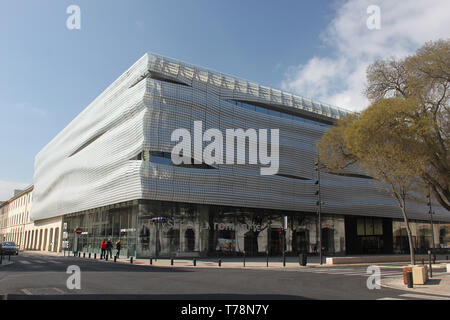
374, 140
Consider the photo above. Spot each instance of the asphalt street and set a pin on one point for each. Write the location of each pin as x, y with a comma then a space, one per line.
34, 275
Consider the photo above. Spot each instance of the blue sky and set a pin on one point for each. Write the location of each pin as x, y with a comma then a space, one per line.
49, 74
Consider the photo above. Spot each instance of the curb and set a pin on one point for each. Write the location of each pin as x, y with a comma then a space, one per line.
406, 289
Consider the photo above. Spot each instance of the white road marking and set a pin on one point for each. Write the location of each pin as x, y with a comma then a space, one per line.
59, 290
27, 292
389, 298
40, 261
424, 296
24, 262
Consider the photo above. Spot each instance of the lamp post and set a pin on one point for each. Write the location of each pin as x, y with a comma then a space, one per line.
319, 205
430, 212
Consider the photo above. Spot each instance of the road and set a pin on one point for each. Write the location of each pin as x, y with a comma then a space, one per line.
34, 275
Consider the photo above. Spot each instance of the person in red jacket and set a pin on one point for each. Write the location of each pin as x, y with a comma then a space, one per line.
103, 248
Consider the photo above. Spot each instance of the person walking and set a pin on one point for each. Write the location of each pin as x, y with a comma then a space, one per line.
118, 246
109, 246
103, 248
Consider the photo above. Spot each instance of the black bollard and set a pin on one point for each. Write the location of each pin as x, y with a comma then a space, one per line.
284, 261
79, 254
409, 279
267, 258
195, 262
115, 258
220, 262
244, 259
429, 261
95, 256
131, 259
84, 254
151, 261
89, 256
171, 261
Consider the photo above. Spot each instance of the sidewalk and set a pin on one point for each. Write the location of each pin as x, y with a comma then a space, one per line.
238, 262
438, 285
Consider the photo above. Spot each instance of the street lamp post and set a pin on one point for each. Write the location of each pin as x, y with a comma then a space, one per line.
430, 212
319, 205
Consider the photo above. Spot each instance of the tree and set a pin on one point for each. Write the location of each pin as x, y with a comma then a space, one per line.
425, 79
374, 140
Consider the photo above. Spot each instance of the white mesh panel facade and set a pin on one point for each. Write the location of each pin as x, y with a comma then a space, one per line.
87, 165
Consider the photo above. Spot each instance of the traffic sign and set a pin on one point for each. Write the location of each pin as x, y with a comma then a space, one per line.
78, 231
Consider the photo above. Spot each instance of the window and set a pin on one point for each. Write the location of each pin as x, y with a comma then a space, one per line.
369, 227
165, 158
270, 111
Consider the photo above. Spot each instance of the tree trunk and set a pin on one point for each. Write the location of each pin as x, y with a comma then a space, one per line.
408, 230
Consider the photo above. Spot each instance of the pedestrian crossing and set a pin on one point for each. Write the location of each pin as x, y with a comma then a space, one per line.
391, 273
409, 296
26, 262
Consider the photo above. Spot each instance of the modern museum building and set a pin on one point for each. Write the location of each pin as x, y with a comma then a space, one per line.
110, 174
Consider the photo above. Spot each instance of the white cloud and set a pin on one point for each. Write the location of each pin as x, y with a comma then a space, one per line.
339, 78
7, 188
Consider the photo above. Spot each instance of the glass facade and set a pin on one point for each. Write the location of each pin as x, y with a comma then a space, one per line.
168, 229
422, 236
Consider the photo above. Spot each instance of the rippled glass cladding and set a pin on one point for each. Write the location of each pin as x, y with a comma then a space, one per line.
275, 113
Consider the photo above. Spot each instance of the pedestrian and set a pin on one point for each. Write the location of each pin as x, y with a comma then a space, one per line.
118, 246
109, 246
103, 248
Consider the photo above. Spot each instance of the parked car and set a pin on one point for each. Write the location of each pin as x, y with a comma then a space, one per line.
9, 248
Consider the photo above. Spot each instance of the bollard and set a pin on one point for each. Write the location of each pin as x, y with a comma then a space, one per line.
9, 257
423, 261
220, 262
84, 254
115, 258
284, 261
79, 254
267, 258
171, 261
131, 259
429, 261
195, 262
244, 259
151, 261
89, 256
409, 279
95, 256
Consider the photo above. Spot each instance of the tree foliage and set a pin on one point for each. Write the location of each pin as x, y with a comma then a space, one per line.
425, 79
402, 138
